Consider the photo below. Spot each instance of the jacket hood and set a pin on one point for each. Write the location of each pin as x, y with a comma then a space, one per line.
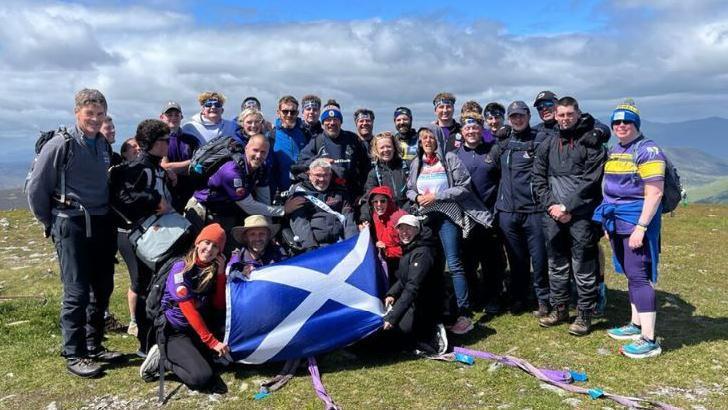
391, 205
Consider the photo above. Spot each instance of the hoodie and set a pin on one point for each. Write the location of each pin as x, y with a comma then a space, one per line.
385, 225
206, 130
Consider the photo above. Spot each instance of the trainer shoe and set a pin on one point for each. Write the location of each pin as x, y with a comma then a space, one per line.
462, 326
149, 370
440, 339
105, 355
559, 314
627, 332
640, 349
83, 367
132, 329
582, 324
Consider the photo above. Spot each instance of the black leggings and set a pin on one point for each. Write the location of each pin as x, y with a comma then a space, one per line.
189, 359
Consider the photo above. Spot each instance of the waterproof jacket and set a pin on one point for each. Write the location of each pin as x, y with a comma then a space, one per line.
484, 172
315, 226
392, 174
137, 188
385, 225
569, 173
514, 155
458, 190
351, 162
419, 278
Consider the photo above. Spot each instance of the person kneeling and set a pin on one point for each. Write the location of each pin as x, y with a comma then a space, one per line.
194, 295
409, 301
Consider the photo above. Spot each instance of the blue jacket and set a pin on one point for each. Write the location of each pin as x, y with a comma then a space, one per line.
607, 214
514, 155
288, 144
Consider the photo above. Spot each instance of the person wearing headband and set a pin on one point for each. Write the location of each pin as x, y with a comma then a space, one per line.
310, 111
364, 122
449, 129
406, 136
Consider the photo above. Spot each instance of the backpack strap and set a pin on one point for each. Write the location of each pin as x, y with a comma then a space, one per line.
65, 155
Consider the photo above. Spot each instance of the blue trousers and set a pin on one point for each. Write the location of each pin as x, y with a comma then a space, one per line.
451, 238
526, 249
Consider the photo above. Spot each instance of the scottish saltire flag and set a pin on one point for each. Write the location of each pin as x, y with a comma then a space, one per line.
309, 304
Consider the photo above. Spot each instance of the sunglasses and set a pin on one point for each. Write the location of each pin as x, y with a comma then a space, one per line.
543, 105
212, 103
379, 201
620, 122
289, 112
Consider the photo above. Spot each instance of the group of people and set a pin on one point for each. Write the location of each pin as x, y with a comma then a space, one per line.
515, 213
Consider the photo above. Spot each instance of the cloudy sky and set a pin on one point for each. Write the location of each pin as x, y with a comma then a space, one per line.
671, 56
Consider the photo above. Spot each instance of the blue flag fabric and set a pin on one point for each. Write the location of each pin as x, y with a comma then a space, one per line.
310, 304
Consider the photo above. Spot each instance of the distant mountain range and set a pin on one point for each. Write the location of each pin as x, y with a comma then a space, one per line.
697, 147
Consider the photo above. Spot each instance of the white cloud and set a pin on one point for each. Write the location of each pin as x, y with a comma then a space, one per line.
672, 60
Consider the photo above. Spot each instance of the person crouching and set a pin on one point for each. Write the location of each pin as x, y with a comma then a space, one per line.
419, 282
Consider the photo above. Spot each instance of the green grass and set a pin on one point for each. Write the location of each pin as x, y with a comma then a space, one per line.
692, 321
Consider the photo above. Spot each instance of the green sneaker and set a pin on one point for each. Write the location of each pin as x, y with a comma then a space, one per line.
626, 332
641, 349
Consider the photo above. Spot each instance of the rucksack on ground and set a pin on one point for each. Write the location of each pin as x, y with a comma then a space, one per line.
42, 140
208, 158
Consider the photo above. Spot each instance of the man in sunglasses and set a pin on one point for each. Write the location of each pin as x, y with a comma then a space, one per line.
209, 123
545, 105
290, 138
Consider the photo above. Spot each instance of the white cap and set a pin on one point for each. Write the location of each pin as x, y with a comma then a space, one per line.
410, 220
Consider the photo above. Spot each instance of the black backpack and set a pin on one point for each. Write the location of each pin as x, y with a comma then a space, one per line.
156, 289
42, 140
208, 158
672, 192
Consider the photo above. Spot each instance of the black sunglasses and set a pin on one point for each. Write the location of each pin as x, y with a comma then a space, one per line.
620, 122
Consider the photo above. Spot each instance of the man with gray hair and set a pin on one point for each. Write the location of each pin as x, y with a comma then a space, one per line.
328, 213
68, 194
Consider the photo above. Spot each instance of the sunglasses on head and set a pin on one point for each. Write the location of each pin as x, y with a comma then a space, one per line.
212, 103
620, 122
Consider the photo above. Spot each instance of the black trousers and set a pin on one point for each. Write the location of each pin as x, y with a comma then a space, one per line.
572, 247
188, 358
87, 274
484, 248
525, 246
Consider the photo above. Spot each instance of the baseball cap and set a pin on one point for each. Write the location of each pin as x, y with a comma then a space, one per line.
169, 105
518, 107
545, 96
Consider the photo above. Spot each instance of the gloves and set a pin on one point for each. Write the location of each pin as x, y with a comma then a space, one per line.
503, 132
293, 204
594, 138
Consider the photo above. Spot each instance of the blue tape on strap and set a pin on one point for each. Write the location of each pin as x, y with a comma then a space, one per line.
595, 393
578, 376
464, 358
261, 395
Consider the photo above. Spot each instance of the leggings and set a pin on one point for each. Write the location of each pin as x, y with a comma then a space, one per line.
189, 359
637, 266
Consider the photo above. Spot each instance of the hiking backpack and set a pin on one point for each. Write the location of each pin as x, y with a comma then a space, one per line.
155, 292
42, 140
672, 192
208, 158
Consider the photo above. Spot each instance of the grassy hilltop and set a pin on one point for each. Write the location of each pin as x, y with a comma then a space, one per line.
691, 373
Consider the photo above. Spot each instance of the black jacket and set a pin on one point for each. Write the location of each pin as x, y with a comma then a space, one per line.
393, 175
568, 172
514, 156
137, 187
419, 279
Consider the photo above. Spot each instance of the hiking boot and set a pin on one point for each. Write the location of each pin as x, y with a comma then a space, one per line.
627, 332
543, 310
462, 326
641, 348
83, 367
149, 370
558, 315
582, 324
105, 355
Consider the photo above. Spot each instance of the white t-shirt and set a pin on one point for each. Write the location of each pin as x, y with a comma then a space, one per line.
432, 179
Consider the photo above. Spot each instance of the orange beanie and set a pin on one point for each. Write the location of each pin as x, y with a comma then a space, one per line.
213, 233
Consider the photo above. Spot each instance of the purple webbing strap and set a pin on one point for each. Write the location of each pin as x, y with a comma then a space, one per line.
563, 379
549, 374
318, 385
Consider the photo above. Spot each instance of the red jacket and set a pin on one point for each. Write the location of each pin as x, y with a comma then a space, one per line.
384, 225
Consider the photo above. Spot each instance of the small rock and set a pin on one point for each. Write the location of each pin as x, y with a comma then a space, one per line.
551, 388
244, 386
603, 351
494, 367
10, 375
52, 406
573, 402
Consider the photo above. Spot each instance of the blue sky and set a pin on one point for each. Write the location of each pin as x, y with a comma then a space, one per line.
517, 17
